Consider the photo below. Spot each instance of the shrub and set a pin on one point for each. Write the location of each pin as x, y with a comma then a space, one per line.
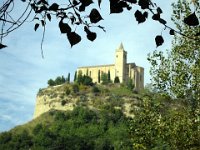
67, 91
63, 102
95, 89
116, 80
75, 88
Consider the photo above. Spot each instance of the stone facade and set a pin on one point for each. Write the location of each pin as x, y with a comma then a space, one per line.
120, 69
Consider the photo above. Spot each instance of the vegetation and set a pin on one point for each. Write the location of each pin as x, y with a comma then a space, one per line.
116, 80
79, 129
105, 78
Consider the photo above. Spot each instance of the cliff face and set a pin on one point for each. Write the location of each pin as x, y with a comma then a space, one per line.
64, 97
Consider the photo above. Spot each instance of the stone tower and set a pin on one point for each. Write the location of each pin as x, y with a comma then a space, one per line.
120, 63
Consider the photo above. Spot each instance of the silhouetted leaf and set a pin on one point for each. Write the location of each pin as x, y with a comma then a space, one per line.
145, 14
191, 20
162, 21
49, 17
171, 32
99, 3
2, 46
144, 4
159, 10
73, 38
132, 1
90, 35
115, 7
159, 40
140, 17
23, 0
43, 23
86, 2
54, 7
36, 26
102, 28
156, 17
95, 16
64, 27
75, 2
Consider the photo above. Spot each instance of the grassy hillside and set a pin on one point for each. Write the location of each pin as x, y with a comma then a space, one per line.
108, 117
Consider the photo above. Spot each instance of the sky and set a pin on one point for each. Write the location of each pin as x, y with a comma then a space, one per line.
23, 70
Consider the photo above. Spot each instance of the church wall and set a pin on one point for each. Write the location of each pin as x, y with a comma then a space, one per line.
93, 71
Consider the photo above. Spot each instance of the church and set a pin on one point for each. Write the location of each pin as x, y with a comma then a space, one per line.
120, 69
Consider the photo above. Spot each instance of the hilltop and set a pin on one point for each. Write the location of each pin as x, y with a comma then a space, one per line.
112, 116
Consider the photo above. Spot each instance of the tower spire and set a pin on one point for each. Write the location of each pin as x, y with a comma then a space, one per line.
121, 46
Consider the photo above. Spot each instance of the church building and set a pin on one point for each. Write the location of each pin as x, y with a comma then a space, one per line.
120, 69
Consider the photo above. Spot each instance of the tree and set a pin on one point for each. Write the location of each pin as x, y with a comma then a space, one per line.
177, 72
63, 79
129, 84
108, 75
104, 78
99, 76
70, 16
75, 76
51, 82
68, 78
116, 80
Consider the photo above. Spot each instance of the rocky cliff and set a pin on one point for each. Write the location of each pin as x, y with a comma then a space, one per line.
68, 96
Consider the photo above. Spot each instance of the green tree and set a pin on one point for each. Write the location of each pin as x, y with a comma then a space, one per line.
63, 79
104, 78
99, 76
109, 75
116, 80
51, 82
75, 76
177, 72
68, 78
129, 84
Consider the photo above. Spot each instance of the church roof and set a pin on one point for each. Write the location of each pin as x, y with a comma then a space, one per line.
121, 46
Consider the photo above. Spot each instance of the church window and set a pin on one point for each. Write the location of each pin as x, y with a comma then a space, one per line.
116, 55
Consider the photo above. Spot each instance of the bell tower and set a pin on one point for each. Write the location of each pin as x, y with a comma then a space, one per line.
120, 63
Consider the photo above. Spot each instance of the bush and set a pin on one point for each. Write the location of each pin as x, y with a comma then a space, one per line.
67, 91
63, 102
116, 80
95, 89
75, 88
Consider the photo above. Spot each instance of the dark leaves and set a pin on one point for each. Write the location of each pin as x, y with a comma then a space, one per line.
144, 4
159, 40
162, 21
99, 3
49, 17
191, 20
171, 32
2, 46
90, 35
95, 16
156, 16
132, 1
159, 10
141, 17
64, 27
115, 7
73, 38
54, 7
84, 3
36, 26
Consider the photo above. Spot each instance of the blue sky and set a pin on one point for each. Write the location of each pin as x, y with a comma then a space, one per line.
23, 71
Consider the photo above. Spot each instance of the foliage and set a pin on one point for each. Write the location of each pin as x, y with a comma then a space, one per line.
75, 76
159, 125
84, 79
95, 89
104, 78
75, 88
177, 72
79, 129
129, 84
51, 82
70, 16
116, 80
